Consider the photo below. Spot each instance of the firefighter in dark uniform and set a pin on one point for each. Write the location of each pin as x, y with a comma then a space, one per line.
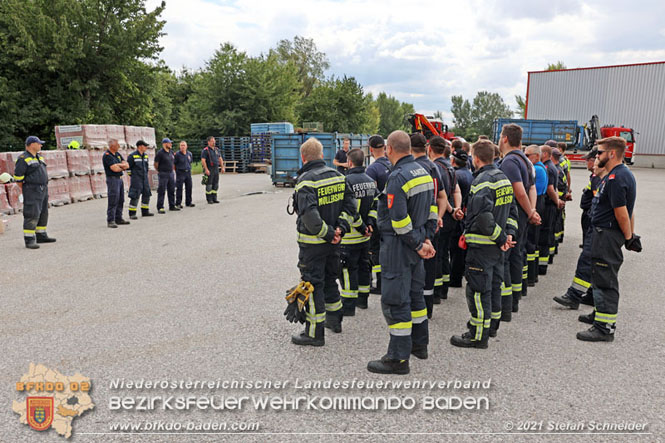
379, 171
407, 218
533, 232
164, 166
418, 150
439, 151
183, 175
326, 209
139, 185
212, 161
589, 191
580, 290
457, 254
517, 167
356, 270
562, 190
487, 236
30, 174
114, 165
546, 244
613, 223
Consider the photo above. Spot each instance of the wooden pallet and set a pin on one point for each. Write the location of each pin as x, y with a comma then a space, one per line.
259, 167
231, 167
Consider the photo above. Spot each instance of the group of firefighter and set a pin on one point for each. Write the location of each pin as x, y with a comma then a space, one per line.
424, 214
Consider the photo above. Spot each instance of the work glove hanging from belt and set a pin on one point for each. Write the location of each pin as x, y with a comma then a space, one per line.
204, 179
634, 243
297, 298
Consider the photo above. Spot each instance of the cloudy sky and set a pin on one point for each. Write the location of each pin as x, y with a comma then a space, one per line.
425, 52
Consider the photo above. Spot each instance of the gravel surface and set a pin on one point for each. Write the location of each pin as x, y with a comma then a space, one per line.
198, 295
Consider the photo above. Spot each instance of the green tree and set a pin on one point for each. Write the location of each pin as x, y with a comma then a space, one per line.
339, 103
488, 106
476, 119
392, 114
555, 66
521, 106
68, 61
462, 119
234, 90
309, 62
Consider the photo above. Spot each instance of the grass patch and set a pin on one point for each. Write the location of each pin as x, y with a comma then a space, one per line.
197, 168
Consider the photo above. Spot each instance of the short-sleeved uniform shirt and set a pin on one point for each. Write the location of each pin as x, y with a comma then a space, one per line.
379, 171
552, 176
619, 189
341, 157
31, 169
183, 162
211, 156
164, 160
541, 178
516, 166
111, 159
464, 179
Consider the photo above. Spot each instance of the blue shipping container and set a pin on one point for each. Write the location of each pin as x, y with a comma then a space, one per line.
537, 132
286, 159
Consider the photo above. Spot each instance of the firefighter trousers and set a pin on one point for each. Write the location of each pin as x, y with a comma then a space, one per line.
35, 209
484, 274
402, 300
582, 280
356, 273
319, 265
606, 260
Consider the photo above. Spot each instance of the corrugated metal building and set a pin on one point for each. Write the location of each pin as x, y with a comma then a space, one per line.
629, 95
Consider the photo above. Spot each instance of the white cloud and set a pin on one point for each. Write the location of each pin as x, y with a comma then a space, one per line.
425, 52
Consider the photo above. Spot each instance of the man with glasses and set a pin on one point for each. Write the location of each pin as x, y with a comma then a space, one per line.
613, 222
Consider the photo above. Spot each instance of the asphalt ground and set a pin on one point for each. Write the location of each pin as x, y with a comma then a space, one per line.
198, 295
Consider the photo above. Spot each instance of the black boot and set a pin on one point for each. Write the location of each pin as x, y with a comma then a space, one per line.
542, 270
146, 213
121, 222
31, 243
466, 340
388, 366
587, 299
174, 208
516, 301
550, 260
594, 334
419, 351
303, 339
334, 321
429, 304
494, 327
444, 291
42, 237
132, 215
349, 307
567, 301
507, 316
209, 198
362, 301
588, 319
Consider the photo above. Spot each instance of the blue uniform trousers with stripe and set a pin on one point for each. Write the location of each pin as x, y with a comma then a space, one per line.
402, 300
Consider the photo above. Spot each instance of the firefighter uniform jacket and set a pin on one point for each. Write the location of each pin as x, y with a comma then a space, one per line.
31, 170
138, 168
323, 202
364, 190
407, 207
491, 212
